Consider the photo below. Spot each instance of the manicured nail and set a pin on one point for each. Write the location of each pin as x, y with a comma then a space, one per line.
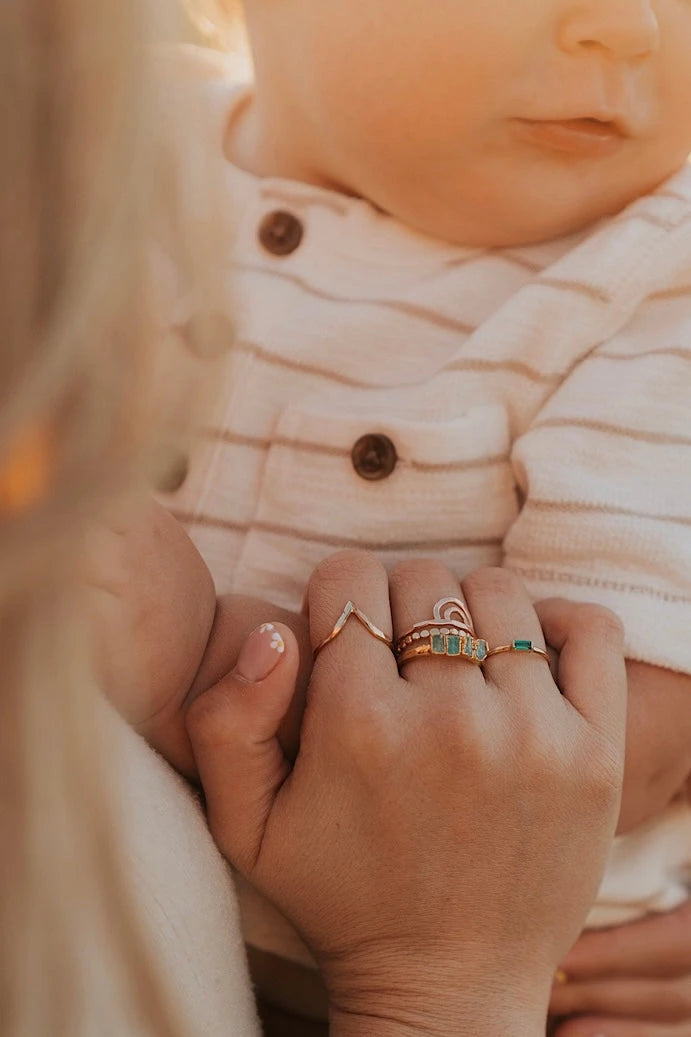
260, 653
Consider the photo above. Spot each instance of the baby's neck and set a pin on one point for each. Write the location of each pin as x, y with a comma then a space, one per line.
267, 144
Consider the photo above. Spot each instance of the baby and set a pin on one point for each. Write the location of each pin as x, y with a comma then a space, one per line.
457, 254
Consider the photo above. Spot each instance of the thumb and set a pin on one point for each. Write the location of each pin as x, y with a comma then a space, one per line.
232, 728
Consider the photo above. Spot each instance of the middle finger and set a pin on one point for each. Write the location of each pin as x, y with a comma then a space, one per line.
415, 586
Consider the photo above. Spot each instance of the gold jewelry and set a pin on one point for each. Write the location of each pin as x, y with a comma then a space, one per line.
519, 645
455, 645
560, 978
443, 623
352, 610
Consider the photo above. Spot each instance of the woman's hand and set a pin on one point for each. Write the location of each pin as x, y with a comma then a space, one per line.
632, 981
442, 832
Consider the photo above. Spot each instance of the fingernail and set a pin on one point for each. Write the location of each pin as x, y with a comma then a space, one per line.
260, 653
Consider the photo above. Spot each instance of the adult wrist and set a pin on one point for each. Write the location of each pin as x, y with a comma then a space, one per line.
488, 1006
480, 1021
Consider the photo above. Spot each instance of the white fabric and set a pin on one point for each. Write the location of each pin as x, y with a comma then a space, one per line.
539, 399
188, 905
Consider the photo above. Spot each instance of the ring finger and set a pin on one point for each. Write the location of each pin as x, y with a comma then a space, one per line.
504, 615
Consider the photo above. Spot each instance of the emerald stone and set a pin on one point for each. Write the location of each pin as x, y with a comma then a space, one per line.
468, 647
481, 650
453, 644
523, 646
438, 644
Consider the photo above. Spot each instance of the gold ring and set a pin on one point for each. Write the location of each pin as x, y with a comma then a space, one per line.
450, 616
352, 610
455, 645
560, 978
520, 645
450, 632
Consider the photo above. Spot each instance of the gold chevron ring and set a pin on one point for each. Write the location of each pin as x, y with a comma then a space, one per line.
351, 609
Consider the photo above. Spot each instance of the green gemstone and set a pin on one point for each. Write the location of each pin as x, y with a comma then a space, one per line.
468, 647
453, 644
522, 646
438, 644
481, 650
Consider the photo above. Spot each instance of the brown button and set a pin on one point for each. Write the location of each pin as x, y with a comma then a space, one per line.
374, 456
280, 232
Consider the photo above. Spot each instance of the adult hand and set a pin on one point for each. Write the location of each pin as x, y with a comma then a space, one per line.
632, 981
442, 832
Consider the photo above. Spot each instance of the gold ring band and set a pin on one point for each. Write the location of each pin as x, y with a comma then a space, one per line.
352, 610
519, 645
450, 616
454, 645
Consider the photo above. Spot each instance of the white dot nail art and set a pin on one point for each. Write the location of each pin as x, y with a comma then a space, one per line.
265, 627
277, 642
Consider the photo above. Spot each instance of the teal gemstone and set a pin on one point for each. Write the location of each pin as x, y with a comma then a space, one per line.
438, 644
468, 647
481, 650
523, 646
453, 644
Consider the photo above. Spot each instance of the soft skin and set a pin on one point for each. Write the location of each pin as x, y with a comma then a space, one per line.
417, 107
150, 586
424, 771
186, 646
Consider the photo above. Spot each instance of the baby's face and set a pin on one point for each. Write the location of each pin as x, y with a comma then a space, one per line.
489, 122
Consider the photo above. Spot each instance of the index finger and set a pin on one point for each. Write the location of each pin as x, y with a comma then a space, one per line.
659, 946
359, 578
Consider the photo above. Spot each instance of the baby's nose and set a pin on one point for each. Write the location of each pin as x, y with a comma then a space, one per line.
627, 29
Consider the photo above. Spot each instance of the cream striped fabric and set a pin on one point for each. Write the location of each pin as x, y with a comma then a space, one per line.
539, 400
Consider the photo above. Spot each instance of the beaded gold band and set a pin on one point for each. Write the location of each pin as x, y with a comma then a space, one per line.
519, 646
450, 616
449, 632
352, 610
455, 645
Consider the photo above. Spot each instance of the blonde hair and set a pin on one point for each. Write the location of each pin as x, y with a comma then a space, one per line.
218, 21
76, 178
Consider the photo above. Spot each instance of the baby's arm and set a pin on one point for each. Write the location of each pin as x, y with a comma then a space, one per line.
658, 735
658, 741
149, 589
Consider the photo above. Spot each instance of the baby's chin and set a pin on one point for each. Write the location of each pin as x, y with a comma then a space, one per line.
487, 227
514, 218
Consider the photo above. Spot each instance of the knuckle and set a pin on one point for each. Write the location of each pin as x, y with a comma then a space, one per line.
409, 572
370, 734
343, 568
209, 720
602, 780
493, 582
601, 622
